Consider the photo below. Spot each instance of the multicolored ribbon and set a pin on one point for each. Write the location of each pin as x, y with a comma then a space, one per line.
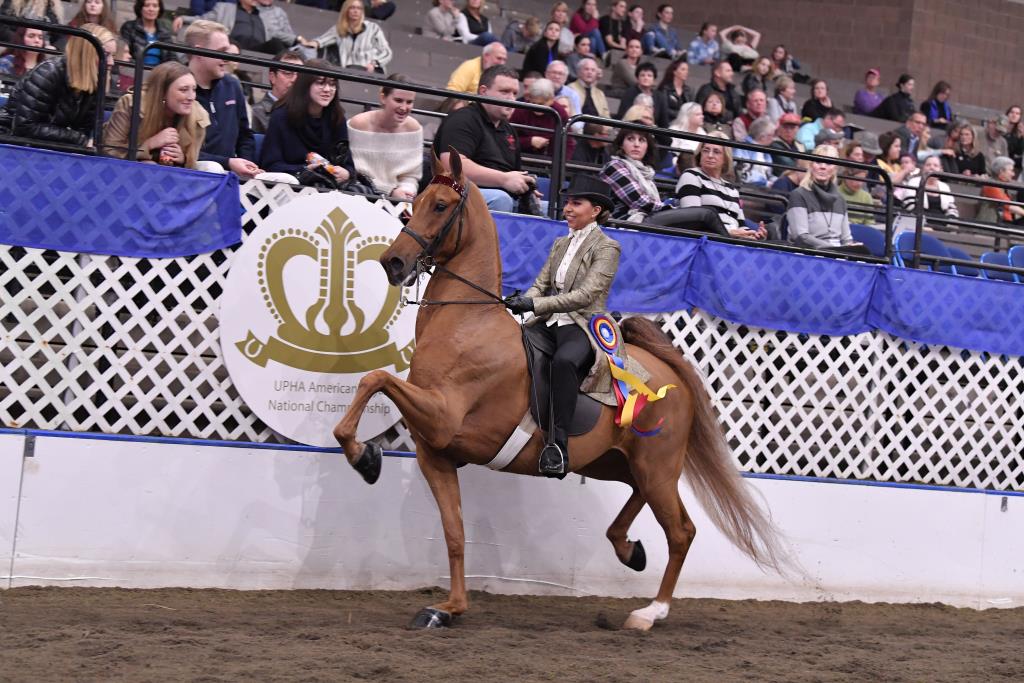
631, 393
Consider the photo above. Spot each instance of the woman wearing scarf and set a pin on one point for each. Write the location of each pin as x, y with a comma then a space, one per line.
817, 212
631, 176
936, 108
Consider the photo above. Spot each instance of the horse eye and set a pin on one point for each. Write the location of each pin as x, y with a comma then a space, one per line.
439, 207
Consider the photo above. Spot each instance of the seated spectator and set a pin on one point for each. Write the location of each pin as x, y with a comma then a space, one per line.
646, 74
581, 50
757, 106
817, 212
630, 174
786, 142
229, 140
592, 100
673, 84
380, 10
542, 92
520, 35
487, 143
704, 48
1015, 138
867, 99
172, 125
867, 143
721, 82
473, 27
56, 101
936, 108
624, 71
715, 116
993, 143
784, 101
613, 26
309, 120
49, 11
784, 63
585, 22
560, 14
759, 77
544, 51
147, 27
705, 186
94, 12
829, 137
20, 62
642, 111
989, 212
355, 42
280, 82
660, 39
819, 102
558, 73
892, 159
899, 105
832, 119
937, 200
635, 24
256, 25
913, 135
443, 20
690, 119
969, 160
594, 148
387, 143
851, 189
466, 77
759, 171
739, 46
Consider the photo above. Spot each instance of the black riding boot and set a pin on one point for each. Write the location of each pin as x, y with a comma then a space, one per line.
569, 366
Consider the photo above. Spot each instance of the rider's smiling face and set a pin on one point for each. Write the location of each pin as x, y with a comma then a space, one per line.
579, 212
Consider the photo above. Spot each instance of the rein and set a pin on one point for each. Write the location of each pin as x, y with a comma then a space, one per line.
425, 260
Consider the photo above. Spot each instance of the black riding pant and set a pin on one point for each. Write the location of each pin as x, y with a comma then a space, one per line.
569, 366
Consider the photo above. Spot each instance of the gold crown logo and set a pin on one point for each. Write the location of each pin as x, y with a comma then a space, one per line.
332, 335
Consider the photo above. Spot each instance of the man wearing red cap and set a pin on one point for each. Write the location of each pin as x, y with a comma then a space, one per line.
868, 98
785, 141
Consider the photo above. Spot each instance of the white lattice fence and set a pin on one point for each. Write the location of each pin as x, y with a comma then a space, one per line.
130, 346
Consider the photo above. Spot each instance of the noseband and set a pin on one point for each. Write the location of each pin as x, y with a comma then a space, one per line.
429, 248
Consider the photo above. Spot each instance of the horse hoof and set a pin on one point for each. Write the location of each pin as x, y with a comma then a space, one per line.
638, 560
637, 623
369, 462
429, 617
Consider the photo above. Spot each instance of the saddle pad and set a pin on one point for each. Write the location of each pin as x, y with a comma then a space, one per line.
587, 408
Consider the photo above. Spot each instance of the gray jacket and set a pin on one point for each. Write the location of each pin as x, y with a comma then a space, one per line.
275, 21
817, 217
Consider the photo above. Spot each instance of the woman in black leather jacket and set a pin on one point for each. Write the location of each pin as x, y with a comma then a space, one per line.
56, 101
147, 27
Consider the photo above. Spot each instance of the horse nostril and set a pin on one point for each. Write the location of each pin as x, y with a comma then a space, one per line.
395, 266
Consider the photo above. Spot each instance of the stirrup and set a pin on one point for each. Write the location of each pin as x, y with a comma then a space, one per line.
554, 461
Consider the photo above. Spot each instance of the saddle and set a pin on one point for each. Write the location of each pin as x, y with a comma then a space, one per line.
539, 350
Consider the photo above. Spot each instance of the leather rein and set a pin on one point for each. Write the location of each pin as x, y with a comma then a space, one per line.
425, 260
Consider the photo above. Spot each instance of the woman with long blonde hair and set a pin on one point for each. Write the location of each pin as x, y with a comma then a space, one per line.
172, 124
353, 41
817, 212
56, 101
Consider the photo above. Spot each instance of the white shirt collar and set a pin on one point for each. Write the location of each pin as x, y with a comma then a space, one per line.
582, 233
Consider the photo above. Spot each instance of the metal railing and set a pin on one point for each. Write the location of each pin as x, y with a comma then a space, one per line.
101, 79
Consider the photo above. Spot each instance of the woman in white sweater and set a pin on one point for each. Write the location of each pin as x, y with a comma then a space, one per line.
353, 41
387, 143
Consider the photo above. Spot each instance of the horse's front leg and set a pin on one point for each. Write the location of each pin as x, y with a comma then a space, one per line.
427, 413
443, 478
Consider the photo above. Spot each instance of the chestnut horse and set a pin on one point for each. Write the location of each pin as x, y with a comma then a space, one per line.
468, 389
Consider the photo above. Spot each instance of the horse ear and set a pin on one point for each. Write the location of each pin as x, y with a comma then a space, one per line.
455, 161
439, 168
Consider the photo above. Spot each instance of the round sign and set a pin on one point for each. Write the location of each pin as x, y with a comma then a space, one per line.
307, 311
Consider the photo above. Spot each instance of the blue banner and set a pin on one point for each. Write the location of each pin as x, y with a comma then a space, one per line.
98, 205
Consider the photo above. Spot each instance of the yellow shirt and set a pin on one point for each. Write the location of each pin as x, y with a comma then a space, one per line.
466, 78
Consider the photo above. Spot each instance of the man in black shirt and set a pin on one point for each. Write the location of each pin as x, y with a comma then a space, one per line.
489, 147
721, 82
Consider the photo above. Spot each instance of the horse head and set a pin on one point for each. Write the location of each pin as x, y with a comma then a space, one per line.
434, 232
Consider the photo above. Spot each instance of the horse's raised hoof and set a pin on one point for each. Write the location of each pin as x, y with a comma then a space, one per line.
638, 559
430, 617
368, 464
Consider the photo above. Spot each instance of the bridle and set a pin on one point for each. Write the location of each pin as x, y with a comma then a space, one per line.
425, 259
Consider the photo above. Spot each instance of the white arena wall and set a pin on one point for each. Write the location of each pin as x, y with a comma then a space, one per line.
144, 513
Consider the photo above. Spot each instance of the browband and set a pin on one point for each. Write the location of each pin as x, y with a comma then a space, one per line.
447, 181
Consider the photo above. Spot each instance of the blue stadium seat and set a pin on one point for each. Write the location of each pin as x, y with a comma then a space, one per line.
258, 140
963, 270
1016, 257
1000, 259
904, 251
873, 238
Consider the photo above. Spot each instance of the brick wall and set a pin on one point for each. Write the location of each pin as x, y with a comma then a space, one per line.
972, 44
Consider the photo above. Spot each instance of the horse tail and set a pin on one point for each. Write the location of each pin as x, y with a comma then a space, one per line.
709, 465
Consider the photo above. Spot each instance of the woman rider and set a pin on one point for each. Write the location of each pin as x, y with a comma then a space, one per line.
572, 286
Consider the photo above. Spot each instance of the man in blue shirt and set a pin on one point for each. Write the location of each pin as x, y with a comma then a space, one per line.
660, 39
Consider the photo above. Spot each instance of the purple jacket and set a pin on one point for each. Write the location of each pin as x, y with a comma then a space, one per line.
865, 102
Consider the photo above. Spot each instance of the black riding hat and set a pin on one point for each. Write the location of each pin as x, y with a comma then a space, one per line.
594, 189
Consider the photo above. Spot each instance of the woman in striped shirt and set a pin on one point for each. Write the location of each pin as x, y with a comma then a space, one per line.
704, 186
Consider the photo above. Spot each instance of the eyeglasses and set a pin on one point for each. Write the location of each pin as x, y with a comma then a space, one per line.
329, 84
